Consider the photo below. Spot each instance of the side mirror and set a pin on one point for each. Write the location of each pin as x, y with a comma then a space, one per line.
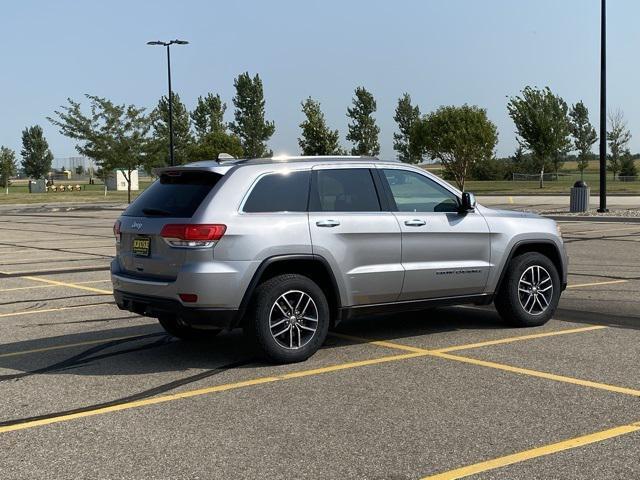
468, 202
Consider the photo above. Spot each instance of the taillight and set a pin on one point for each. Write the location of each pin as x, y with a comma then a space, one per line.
188, 297
116, 231
192, 235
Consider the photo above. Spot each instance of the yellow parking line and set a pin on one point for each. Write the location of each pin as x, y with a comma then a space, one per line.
611, 282
399, 346
47, 310
69, 258
520, 338
355, 364
414, 353
442, 353
61, 269
66, 345
139, 403
69, 285
536, 373
49, 286
207, 390
536, 452
381, 343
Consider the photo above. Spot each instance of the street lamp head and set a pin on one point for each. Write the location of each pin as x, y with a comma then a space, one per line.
156, 42
180, 42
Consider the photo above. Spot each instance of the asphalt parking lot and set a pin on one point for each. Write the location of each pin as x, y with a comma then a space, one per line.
89, 391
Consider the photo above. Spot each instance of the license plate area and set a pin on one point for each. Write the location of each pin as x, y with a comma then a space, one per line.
141, 246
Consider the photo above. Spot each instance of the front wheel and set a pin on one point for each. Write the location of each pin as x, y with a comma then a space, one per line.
289, 318
530, 291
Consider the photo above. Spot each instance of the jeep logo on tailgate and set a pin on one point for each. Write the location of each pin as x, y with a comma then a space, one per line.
136, 225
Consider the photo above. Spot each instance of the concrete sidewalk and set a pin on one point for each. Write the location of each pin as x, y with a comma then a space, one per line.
554, 201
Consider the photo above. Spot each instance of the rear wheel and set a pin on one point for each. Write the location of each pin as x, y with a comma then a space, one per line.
530, 291
289, 318
176, 327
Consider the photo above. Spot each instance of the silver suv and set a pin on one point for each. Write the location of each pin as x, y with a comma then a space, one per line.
287, 248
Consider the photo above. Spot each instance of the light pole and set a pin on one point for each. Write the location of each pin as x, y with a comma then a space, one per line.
603, 108
168, 44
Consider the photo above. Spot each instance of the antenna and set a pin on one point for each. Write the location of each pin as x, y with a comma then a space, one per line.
222, 157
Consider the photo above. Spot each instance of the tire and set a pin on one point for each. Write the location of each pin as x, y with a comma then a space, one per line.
177, 328
532, 305
266, 318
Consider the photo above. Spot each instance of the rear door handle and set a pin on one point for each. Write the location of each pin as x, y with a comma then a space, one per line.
327, 223
416, 222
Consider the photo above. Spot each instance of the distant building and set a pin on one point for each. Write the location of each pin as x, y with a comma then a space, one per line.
63, 175
117, 181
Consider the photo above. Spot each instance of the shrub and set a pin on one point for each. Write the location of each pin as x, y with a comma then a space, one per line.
491, 169
627, 167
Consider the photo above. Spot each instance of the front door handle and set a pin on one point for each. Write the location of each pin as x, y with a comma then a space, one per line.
327, 223
416, 222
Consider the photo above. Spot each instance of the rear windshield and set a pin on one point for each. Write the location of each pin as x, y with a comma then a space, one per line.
178, 194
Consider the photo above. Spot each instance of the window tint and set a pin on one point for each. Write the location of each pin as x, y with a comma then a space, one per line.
279, 192
176, 195
413, 192
345, 190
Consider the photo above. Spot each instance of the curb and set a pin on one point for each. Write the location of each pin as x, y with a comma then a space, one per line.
549, 194
568, 218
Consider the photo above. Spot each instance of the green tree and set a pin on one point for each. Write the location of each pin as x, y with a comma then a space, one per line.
584, 135
8, 166
317, 138
405, 116
627, 165
249, 123
522, 162
115, 136
182, 138
79, 170
363, 131
542, 125
208, 116
212, 144
459, 137
618, 138
36, 156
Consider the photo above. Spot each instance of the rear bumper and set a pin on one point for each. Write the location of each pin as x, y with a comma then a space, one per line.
218, 284
156, 306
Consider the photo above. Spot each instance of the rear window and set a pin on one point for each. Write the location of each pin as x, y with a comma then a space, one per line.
279, 192
176, 195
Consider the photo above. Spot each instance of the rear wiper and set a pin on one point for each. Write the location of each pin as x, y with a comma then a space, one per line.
155, 211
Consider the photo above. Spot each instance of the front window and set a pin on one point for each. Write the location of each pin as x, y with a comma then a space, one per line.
413, 192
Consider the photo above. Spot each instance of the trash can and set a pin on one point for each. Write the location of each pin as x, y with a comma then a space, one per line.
579, 199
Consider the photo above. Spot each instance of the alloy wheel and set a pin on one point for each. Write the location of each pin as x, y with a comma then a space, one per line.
293, 319
535, 290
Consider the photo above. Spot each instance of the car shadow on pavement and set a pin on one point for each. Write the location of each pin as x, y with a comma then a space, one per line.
423, 322
140, 349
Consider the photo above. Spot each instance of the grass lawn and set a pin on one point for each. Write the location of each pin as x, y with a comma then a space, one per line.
19, 193
508, 187
560, 186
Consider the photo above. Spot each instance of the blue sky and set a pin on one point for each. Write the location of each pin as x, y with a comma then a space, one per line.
440, 51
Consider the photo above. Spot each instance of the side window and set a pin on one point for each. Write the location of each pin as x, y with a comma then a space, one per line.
345, 190
279, 192
413, 192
